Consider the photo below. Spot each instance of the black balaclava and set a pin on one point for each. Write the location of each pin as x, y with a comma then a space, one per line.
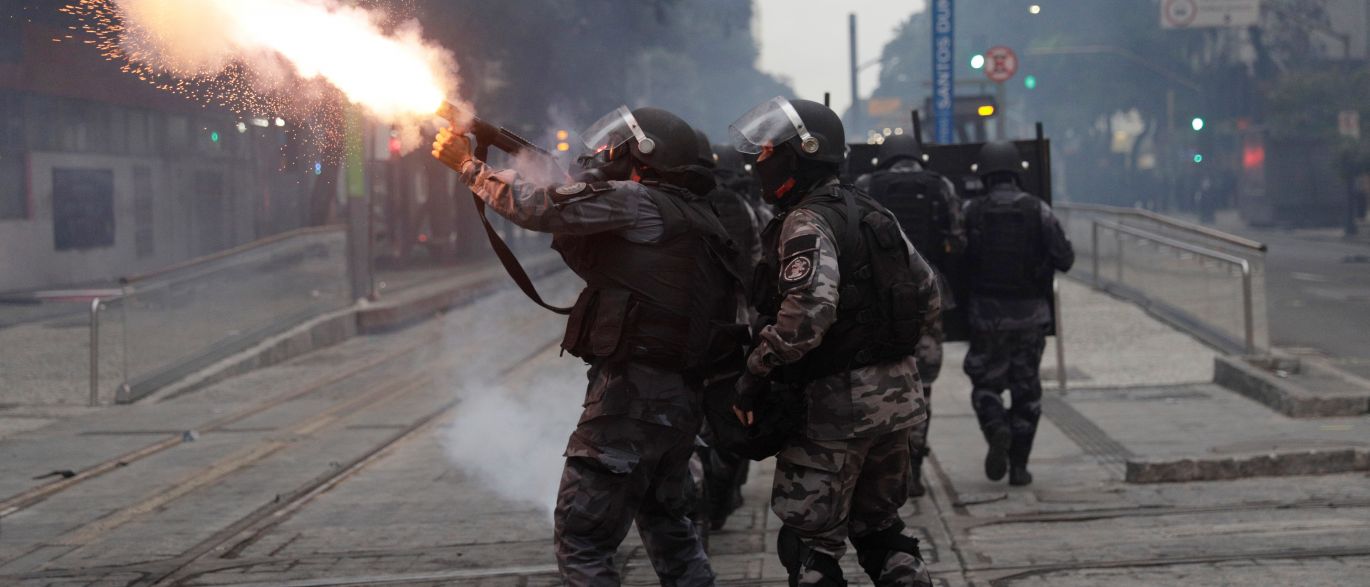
784, 177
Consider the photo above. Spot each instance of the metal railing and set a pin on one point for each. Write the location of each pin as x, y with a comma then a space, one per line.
177, 320
1203, 280
1248, 312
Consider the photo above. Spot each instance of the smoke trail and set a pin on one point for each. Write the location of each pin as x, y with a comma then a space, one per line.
256, 56
511, 428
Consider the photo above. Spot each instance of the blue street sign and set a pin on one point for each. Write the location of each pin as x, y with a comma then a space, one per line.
943, 70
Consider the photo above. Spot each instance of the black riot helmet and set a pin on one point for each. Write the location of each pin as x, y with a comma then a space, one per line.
706, 157
652, 137
813, 130
999, 158
898, 148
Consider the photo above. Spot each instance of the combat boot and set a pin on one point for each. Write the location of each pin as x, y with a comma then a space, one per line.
1019, 476
996, 458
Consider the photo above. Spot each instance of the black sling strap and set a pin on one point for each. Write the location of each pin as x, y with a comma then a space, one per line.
506, 257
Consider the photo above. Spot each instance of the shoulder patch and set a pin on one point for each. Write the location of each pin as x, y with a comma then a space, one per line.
797, 270
572, 189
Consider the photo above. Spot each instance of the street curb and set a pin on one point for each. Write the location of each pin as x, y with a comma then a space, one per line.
405, 309
427, 301
1311, 462
1284, 395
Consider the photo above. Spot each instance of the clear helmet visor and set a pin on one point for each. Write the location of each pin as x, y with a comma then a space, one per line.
615, 130
769, 124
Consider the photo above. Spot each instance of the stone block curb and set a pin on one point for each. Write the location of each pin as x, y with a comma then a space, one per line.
1280, 464
1287, 396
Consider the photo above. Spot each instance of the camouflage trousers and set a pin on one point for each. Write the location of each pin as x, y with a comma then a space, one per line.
620, 470
827, 491
918, 435
1007, 359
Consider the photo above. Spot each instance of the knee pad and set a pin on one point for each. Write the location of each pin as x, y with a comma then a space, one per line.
874, 549
796, 556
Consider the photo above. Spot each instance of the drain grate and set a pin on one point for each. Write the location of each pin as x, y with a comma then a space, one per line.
1092, 439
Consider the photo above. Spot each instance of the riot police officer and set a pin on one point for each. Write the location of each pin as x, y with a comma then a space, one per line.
843, 297
658, 287
1015, 246
929, 211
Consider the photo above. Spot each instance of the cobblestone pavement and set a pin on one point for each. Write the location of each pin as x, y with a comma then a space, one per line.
429, 457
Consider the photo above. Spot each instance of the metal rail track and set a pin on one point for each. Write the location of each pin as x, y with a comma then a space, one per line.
36, 495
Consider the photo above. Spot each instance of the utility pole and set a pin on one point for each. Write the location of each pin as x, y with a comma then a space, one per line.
855, 119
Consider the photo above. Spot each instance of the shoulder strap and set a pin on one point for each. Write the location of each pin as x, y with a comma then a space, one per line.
511, 263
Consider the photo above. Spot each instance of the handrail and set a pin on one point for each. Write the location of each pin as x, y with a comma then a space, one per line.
1248, 312
1226, 237
238, 250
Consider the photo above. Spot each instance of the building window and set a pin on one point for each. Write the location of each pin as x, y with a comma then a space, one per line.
14, 186
82, 208
144, 241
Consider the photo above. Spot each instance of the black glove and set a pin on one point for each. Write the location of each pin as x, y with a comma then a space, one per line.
749, 388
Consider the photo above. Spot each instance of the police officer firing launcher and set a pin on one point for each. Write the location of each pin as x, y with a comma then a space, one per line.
1015, 246
656, 263
929, 211
844, 298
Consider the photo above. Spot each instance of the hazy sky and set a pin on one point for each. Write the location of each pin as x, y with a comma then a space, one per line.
807, 42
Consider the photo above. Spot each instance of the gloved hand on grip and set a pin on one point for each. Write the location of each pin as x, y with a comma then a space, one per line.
749, 388
452, 149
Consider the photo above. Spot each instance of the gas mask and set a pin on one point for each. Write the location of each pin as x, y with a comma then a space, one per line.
606, 165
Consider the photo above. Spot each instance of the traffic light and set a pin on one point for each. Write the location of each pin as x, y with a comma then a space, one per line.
977, 61
214, 136
985, 111
1198, 158
1030, 82
1197, 124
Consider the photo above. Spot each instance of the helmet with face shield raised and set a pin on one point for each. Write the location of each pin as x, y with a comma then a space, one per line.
813, 130
652, 137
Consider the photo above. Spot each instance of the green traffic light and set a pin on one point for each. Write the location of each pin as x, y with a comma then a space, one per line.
977, 61
1030, 82
1197, 124
214, 136
1198, 158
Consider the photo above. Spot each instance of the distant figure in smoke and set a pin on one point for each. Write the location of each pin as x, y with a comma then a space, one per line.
1015, 246
659, 292
929, 211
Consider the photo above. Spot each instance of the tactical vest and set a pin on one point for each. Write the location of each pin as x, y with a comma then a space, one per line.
878, 311
1005, 253
667, 304
917, 200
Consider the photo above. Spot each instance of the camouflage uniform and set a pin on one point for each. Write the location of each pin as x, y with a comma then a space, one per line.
1008, 335
846, 476
628, 459
930, 346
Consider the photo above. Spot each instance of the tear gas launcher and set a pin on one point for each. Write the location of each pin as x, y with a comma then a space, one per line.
488, 135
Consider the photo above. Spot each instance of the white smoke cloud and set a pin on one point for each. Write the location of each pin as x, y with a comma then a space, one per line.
511, 427
392, 73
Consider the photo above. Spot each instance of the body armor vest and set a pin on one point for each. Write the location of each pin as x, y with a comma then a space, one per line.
878, 311
916, 200
1005, 254
667, 304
